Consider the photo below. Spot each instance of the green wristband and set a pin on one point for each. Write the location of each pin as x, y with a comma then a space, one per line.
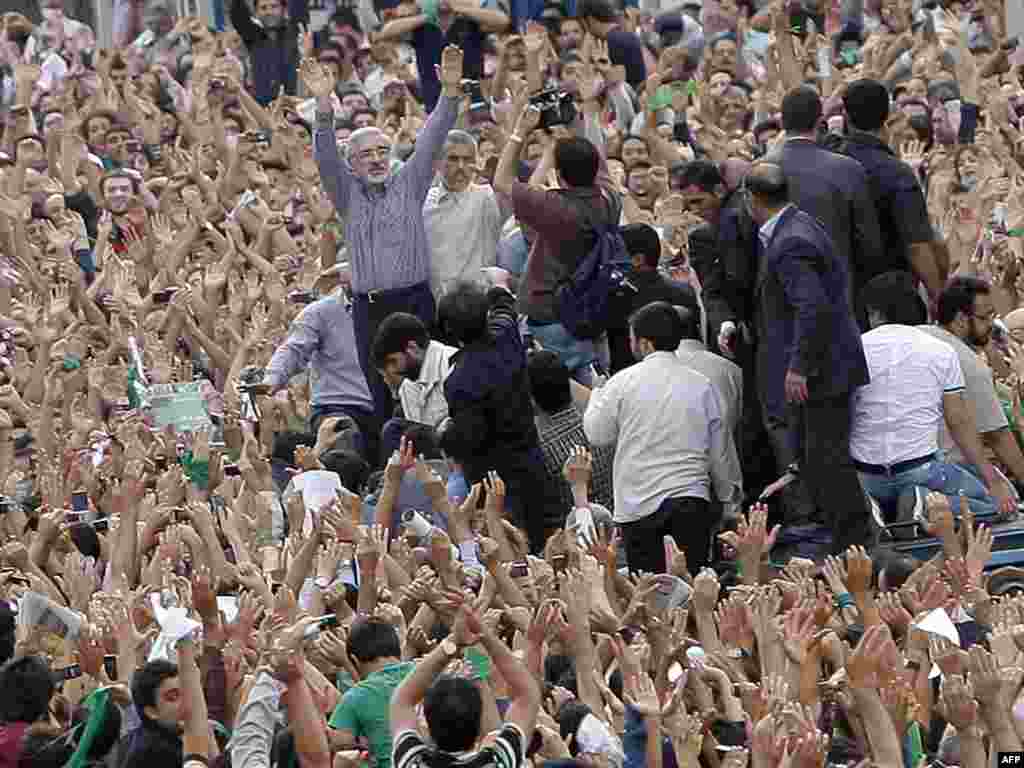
481, 663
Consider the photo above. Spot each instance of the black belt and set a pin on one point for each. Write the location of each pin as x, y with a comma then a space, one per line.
388, 293
893, 469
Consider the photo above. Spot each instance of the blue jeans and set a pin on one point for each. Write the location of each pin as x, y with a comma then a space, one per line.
935, 475
577, 354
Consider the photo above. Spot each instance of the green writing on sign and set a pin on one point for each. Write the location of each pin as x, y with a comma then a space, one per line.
179, 405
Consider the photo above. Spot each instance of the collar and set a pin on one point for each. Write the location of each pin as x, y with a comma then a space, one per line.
809, 139
869, 140
568, 415
768, 228
689, 346
435, 363
659, 354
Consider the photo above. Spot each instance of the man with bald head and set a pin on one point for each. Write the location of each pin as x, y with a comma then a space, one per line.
810, 358
382, 210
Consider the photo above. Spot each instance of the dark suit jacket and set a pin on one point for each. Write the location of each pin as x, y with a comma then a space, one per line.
834, 189
805, 322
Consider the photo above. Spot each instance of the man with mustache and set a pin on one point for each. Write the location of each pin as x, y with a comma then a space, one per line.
463, 220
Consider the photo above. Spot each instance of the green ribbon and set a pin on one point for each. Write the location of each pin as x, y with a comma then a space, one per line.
72, 362
1017, 232
96, 702
432, 10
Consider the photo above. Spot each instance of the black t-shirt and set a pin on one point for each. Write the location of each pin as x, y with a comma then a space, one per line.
625, 49
429, 41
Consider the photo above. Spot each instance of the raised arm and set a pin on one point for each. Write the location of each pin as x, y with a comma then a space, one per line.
335, 174
441, 120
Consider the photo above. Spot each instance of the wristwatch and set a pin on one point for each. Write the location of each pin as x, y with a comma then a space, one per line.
451, 650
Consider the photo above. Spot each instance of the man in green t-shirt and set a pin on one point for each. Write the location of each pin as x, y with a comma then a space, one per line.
362, 713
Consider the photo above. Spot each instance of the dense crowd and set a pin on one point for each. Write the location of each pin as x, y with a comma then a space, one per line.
545, 381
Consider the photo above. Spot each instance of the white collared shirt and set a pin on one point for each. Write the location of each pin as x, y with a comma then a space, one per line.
423, 399
671, 441
896, 416
463, 231
725, 376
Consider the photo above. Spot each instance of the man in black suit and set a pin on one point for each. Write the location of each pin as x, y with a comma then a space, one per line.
809, 353
830, 187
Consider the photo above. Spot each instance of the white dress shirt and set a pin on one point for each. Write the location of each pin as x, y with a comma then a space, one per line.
670, 439
725, 376
896, 416
423, 399
463, 230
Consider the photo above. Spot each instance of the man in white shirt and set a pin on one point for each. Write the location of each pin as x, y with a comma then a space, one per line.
672, 447
463, 220
916, 384
965, 315
415, 367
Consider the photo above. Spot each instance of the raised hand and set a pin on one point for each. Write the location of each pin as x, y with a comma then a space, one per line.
318, 78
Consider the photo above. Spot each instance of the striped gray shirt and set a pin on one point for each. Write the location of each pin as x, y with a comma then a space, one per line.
387, 242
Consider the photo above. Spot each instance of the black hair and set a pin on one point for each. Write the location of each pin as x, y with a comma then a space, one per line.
373, 638
577, 160
452, 708
146, 683
867, 105
959, 296
457, 441
462, 312
801, 110
285, 443
702, 174
643, 239
894, 295
424, 439
659, 323
27, 683
349, 466
364, 111
602, 10
689, 316
395, 333
569, 718
768, 182
549, 381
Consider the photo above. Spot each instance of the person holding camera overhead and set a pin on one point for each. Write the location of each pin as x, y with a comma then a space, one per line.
565, 221
383, 211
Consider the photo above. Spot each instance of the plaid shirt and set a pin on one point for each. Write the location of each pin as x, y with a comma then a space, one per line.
559, 433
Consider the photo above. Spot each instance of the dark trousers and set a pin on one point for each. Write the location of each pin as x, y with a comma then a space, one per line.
690, 521
365, 441
817, 434
368, 312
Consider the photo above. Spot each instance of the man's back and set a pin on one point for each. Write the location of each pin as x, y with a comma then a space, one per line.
663, 418
834, 190
363, 710
725, 376
897, 415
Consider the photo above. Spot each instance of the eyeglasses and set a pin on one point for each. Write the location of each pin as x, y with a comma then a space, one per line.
378, 152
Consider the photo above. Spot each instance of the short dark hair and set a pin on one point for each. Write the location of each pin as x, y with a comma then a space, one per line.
373, 638
394, 335
643, 239
349, 466
768, 182
959, 297
801, 110
689, 316
867, 105
285, 443
602, 10
462, 312
452, 708
27, 682
147, 681
894, 295
578, 161
702, 174
659, 323
549, 381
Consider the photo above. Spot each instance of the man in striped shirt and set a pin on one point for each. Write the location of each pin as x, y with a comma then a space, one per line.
383, 210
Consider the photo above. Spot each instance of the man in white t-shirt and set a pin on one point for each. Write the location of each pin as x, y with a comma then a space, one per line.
916, 384
965, 315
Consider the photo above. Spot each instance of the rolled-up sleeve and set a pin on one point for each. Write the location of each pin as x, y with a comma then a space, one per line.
601, 420
296, 351
254, 733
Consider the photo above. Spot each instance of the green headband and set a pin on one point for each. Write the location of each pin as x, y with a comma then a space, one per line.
96, 702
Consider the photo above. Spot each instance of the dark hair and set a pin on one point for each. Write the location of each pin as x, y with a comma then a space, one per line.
424, 438
643, 239
549, 381
118, 173
395, 333
364, 111
801, 110
147, 681
457, 441
768, 182
659, 323
569, 718
462, 312
578, 161
894, 295
285, 443
959, 296
867, 105
633, 137
373, 638
897, 566
452, 708
602, 10
349, 466
689, 316
27, 683
703, 174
